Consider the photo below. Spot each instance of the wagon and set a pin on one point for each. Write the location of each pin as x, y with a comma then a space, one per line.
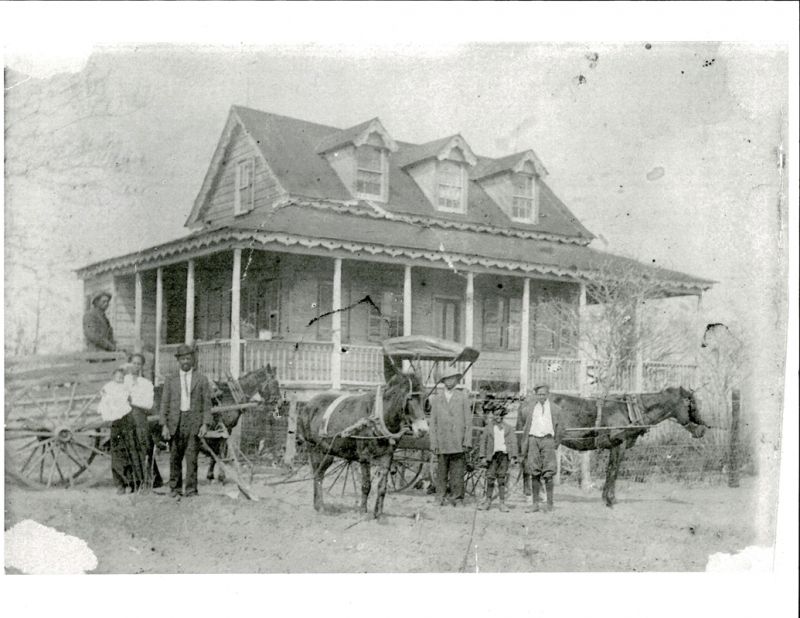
53, 431
428, 357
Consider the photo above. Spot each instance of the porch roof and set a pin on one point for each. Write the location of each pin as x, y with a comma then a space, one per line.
342, 233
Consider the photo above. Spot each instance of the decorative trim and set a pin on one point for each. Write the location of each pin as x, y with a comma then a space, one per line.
450, 259
378, 211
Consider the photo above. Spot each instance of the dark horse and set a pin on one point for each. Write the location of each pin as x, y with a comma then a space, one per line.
578, 412
354, 428
260, 385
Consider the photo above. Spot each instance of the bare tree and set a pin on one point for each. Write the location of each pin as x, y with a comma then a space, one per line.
65, 157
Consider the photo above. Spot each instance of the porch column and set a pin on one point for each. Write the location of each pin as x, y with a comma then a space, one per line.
137, 312
236, 303
469, 322
336, 326
159, 314
407, 302
189, 329
524, 344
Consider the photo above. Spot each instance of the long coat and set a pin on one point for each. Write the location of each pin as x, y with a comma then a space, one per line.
199, 403
451, 423
527, 411
97, 331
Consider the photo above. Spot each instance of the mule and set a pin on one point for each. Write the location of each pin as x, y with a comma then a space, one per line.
578, 412
364, 428
260, 385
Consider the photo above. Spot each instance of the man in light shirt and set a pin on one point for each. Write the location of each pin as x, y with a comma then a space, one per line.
185, 416
541, 436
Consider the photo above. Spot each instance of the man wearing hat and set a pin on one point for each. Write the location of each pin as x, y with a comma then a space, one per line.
185, 415
541, 436
96, 328
451, 437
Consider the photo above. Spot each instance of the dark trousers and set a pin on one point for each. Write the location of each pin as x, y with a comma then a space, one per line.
498, 467
183, 444
450, 474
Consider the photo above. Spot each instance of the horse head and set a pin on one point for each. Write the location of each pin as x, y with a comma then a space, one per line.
687, 411
269, 388
404, 404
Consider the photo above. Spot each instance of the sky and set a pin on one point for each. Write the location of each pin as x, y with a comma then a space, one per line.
668, 153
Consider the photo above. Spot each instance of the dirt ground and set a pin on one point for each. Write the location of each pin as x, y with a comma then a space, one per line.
654, 527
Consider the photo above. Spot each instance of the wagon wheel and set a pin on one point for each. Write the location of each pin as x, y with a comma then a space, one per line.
52, 434
406, 468
475, 475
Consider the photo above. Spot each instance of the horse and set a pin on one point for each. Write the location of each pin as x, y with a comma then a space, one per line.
609, 431
364, 428
260, 385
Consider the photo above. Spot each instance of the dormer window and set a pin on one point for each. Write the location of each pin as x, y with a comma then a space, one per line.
244, 196
369, 172
522, 197
451, 192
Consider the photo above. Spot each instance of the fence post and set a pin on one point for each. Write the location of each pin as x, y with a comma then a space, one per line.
733, 453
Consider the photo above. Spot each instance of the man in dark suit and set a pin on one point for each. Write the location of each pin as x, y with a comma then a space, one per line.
541, 436
185, 416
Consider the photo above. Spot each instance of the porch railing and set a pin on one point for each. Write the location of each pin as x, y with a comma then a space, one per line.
309, 362
306, 362
362, 364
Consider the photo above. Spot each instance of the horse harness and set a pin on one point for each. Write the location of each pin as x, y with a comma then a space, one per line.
375, 419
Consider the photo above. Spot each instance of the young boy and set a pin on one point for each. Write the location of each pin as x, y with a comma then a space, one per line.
498, 445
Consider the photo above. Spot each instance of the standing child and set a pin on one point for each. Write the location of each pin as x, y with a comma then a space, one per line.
498, 446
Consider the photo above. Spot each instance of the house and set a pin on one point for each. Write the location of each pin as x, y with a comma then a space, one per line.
295, 220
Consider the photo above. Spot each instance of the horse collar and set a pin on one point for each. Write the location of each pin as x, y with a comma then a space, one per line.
380, 422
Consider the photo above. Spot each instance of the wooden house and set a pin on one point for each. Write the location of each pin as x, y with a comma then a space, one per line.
296, 220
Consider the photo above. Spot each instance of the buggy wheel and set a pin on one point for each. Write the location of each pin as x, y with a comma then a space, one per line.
51, 438
343, 478
406, 468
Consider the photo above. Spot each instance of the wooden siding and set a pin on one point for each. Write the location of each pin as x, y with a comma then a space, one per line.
122, 319
221, 199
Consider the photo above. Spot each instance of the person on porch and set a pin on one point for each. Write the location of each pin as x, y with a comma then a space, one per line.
97, 330
185, 416
541, 436
451, 438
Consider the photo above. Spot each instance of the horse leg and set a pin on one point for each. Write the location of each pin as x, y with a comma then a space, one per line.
383, 477
319, 464
366, 484
615, 455
222, 453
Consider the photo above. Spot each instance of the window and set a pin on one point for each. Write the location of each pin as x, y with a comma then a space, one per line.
389, 321
522, 197
245, 188
552, 332
447, 318
260, 308
369, 171
325, 305
502, 319
450, 193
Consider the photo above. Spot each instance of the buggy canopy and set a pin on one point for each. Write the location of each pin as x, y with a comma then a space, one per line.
424, 347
